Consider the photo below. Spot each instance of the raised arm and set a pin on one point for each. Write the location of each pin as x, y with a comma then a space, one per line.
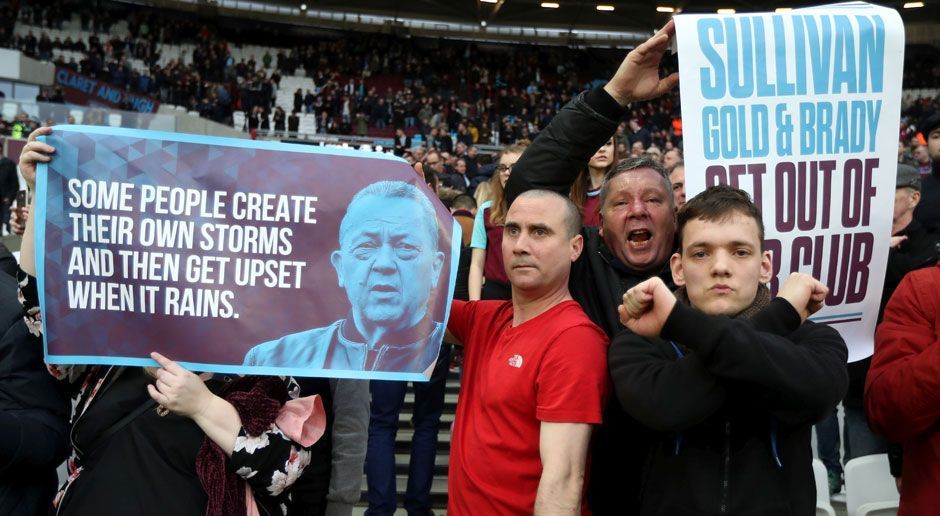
554, 159
33, 153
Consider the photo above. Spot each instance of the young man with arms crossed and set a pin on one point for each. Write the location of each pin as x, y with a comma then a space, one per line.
730, 380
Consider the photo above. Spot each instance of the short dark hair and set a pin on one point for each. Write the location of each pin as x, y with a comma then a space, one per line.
464, 202
628, 165
572, 217
718, 203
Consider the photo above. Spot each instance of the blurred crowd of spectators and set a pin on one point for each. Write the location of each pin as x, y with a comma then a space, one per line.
359, 84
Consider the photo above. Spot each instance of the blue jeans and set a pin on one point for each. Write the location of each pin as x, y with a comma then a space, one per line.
827, 442
387, 400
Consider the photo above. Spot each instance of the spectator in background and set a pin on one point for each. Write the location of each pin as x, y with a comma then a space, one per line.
9, 186
488, 279
434, 164
298, 99
464, 209
922, 160
293, 122
639, 134
928, 211
280, 120
677, 178
585, 192
636, 149
482, 194
473, 165
402, 141
458, 179
671, 157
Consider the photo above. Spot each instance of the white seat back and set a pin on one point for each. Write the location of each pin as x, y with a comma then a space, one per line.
868, 481
823, 505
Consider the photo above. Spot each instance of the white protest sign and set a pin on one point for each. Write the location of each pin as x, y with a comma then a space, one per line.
801, 109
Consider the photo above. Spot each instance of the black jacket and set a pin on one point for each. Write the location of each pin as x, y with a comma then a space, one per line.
34, 415
9, 184
553, 162
733, 403
598, 281
928, 211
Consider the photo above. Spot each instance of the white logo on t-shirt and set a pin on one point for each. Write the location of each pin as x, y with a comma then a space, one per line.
515, 361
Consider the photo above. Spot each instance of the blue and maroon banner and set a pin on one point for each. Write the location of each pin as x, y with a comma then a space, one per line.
239, 256
801, 109
86, 91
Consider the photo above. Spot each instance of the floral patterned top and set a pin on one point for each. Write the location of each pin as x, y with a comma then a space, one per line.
269, 462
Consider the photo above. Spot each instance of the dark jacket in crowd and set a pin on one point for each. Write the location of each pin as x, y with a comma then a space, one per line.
928, 211
598, 282
308, 494
456, 181
732, 402
8, 262
34, 413
9, 183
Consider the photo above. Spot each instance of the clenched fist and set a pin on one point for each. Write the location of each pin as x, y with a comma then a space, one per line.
805, 293
646, 307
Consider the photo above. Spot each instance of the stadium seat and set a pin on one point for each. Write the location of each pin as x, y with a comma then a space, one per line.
823, 506
869, 487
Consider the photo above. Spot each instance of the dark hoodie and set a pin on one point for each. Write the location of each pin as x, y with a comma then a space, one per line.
730, 403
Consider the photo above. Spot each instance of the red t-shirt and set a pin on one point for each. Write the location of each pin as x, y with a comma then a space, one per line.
552, 368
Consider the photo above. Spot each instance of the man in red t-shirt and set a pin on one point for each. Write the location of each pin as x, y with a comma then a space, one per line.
535, 374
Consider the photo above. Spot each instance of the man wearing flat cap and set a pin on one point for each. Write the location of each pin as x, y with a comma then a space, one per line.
928, 212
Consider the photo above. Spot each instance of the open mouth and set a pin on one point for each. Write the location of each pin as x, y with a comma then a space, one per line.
639, 237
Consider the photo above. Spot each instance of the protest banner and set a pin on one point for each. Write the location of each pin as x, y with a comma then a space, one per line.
802, 109
87, 91
239, 256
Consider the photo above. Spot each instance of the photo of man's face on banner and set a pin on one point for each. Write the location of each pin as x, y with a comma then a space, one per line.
258, 258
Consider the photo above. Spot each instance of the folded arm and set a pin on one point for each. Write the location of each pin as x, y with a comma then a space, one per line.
804, 374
